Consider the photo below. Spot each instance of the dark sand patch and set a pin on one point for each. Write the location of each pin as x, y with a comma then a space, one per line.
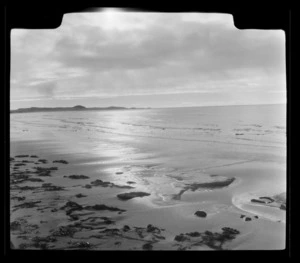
130, 182
209, 186
127, 196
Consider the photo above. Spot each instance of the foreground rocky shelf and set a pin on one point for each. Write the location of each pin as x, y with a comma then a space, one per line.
88, 226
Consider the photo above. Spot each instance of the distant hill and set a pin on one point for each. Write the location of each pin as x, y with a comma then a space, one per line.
75, 108
79, 107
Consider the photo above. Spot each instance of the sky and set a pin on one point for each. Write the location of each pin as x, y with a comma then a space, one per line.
116, 57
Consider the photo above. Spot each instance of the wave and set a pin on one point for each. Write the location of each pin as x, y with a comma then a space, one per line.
192, 140
170, 127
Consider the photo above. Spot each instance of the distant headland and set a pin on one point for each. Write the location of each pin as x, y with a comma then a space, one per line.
75, 108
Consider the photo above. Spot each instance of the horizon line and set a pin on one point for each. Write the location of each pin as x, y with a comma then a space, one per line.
145, 107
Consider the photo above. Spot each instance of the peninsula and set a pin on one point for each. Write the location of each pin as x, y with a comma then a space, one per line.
75, 108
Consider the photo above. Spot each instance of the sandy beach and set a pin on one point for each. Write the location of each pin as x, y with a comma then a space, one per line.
77, 186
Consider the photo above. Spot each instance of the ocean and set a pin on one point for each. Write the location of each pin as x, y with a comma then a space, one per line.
243, 132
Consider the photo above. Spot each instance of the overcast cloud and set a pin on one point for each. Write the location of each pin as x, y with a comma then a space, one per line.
147, 59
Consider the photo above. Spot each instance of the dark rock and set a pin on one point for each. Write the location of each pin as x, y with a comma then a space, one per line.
180, 238
130, 182
257, 201
74, 217
107, 220
71, 206
44, 239
15, 226
248, 219
28, 204
151, 229
42, 160
80, 195
210, 185
101, 183
256, 217
242, 216
230, 230
111, 231
267, 198
34, 156
130, 195
20, 164
194, 234
126, 228
21, 156
50, 187
148, 246
119, 172
208, 233
44, 171
60, 161
75, 176
21, 198
11, 159
103, 207
88, 186
25, 161
208, 238
34, 180
200, 214
17, 181
64, 231
24, 188
283, 206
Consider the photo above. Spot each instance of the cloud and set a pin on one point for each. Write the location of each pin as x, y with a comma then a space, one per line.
114, 54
